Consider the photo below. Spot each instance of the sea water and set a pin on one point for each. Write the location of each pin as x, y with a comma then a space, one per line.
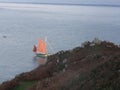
64, 26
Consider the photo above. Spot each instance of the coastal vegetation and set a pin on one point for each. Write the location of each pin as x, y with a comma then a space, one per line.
24, 85
94, 65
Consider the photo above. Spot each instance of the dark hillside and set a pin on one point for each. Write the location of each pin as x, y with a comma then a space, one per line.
94, 66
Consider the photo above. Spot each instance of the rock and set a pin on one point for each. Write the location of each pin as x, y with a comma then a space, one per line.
58, 60
119, 70
64, 70
66, 65
92, 44
96, 41
64, 61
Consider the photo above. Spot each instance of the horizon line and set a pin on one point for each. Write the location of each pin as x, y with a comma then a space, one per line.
74, 4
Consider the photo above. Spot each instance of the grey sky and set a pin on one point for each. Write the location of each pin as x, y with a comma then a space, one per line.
68, 1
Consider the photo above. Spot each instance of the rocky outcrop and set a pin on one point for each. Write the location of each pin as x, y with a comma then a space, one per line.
95, 67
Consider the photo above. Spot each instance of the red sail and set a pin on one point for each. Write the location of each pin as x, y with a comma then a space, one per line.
34, 48
41, 47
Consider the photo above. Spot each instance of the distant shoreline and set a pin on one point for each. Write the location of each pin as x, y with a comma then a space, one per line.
67, 4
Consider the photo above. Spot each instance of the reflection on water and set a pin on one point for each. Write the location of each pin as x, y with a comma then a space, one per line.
40, 60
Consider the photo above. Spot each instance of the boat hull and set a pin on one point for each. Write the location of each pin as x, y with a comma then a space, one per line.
41, 55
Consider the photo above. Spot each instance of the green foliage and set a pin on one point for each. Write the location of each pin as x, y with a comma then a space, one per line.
24, 85
61, 66
98, 56
62, 55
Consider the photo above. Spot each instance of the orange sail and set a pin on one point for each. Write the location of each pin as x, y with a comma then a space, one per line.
41, 48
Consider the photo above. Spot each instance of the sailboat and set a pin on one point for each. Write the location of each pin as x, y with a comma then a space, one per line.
40, 49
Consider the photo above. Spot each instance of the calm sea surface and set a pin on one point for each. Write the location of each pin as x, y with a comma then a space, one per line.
64, 26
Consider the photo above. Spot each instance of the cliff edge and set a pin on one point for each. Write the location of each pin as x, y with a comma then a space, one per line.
94, 66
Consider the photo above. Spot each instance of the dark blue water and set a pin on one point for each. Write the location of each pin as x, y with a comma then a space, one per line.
64, 26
